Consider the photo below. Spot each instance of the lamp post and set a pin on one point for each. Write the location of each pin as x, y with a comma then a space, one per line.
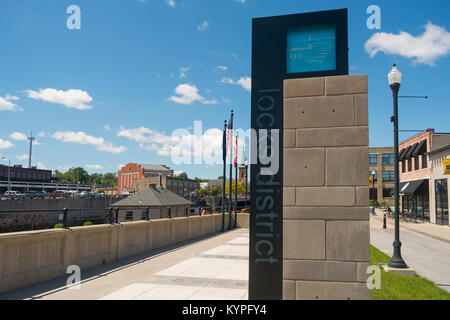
373, 190
395, 79
9, 172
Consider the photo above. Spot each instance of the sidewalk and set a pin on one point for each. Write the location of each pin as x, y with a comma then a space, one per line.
215, 267
435, 231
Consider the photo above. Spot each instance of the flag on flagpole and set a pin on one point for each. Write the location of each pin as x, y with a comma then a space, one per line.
236, 153
229, 133
224, 142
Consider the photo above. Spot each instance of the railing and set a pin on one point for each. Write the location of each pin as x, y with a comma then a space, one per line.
37, 219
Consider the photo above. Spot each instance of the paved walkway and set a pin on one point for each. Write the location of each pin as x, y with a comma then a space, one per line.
436, 231
215, 267
423, 248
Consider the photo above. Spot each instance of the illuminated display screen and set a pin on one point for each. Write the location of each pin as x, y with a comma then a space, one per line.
311, 48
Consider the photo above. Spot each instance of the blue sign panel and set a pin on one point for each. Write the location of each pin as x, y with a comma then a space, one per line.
311, 48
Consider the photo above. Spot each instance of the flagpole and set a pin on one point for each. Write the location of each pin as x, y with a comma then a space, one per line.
236, 181
224, 154
231, 168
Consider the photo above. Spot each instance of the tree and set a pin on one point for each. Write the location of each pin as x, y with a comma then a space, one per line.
96, 178
215, 190
240, 188
110, 179
77, 173
182, 175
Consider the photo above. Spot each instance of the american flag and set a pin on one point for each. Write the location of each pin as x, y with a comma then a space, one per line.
230, 133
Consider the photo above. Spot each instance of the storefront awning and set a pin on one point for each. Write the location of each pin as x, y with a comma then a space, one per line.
413, 187
420, 149
410, 151
404, 152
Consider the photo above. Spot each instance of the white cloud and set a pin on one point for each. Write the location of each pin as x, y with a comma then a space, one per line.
40, 165
7, 105
171, 3
120, 166
426, 48
183, 72
22, 157
107, 128
18, 136
72, 98
244, 82
177, 172
42, 134
180, 143
5, 144
203, 26
94, 166
11, 98
188, 94
83, 138
65, 168
224, 68
241, 1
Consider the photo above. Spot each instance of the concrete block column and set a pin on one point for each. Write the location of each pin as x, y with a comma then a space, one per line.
326, 239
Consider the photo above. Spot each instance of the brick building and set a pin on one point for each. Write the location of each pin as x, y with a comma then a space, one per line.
381, 162
182, 187
415, 171
127, 175
439, 191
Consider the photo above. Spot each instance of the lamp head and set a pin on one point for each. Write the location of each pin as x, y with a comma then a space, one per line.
394, 76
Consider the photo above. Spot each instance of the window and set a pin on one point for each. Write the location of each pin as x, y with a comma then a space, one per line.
388, 159
441, 194
416, 163
403, 166
129, 215
424, 161
409, 165
387, 192
388, 175
373, 159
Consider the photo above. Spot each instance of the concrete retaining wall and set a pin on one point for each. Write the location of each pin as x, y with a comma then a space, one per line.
30, 257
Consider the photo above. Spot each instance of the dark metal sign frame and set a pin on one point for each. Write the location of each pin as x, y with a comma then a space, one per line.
269, 61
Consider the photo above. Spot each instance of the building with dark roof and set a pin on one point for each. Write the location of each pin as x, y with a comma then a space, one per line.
162, 203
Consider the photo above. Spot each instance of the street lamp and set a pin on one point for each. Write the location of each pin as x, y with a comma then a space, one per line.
9, 172
373, 190
395, 79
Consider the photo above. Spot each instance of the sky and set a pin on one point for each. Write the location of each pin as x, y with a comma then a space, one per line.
115, 90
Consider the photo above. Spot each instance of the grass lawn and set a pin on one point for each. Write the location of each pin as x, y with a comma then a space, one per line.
401, 287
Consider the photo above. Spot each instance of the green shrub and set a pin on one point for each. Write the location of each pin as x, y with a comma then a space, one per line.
87, 223
58, 225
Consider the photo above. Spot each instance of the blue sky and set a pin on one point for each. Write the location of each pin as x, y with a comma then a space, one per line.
104, 95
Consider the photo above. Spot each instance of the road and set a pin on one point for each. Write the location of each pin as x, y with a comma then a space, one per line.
429, 257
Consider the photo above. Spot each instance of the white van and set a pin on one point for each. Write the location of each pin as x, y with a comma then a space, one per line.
13, 194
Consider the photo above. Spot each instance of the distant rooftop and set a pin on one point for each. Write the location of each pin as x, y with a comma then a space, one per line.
153, 197
155, 167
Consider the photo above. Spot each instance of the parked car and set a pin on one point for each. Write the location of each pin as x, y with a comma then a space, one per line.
72, 193
13, 195
33, 194
56, 194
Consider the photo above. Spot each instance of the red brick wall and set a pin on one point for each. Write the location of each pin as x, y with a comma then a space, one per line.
421, 173
126, 176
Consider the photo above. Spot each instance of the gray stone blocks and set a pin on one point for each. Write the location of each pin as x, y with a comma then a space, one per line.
326, 195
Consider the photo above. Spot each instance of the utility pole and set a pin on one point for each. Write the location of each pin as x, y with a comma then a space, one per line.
31, 138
